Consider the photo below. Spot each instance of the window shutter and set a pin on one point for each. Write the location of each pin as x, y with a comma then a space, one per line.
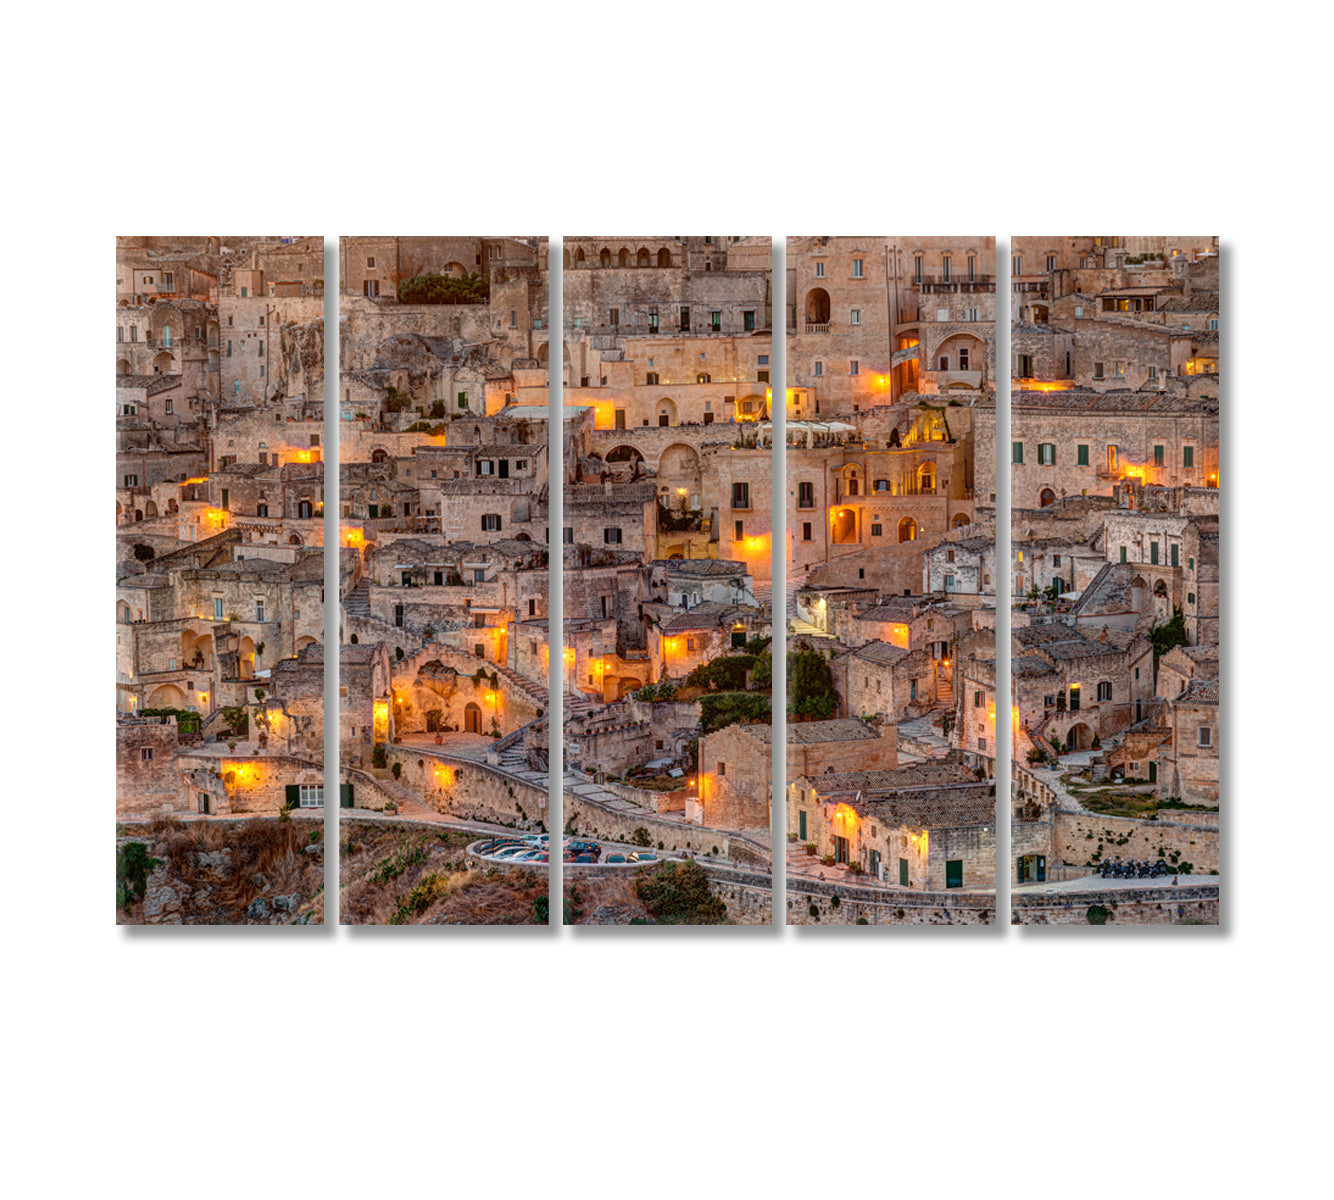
345, 795
293, 795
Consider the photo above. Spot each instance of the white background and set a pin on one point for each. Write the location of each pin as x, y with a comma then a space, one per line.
290, 1062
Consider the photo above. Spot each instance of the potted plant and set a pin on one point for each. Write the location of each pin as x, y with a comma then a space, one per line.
810, 849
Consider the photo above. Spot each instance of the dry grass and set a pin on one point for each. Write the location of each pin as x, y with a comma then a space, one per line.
266, 859
397, 876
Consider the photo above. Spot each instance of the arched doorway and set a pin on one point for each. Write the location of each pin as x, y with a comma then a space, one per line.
245, 658
472, 718
623, 257
642, 258
1079, 737
845, 526
1046, 498
959, 520
666, 408
664, 257
379, 455
907, 530
294, 540
604, 258
123, 366
624, 454
926, 479
163, 363
817, 307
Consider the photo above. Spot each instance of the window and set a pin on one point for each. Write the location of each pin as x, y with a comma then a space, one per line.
259, 611
532, 608
1047, 454
514, 318
146, 754
970, 314
131, 481
1158, 455
877, 529
651, 378
1206, 736
977, 699
855, 317
1213, 324
567, 535
1104, 691
819, 367
1153, 552
715, 321
1123, 554
740, 495
949, 583
1190, 599
1074, 697
217, 608
1017, 264
611, 537
463, 399
819, 270
1017, 452
370, 264
229, 349
1190, 563
805, 531
854, 368
748, 320
722, 768
490, 522
857, 268
917, 269
806, 495
311, 795
1097, 370
484, 467
1079, 314
954, 866
739, 529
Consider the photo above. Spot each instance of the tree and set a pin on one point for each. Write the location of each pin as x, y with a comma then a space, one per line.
1167, 635
810, 685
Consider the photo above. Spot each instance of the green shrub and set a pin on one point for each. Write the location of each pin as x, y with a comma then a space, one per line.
1097, 914
133, 866
641, 837
677, 893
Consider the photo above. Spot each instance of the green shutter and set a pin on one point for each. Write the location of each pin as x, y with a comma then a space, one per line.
1188, 456
1017, 452
1083, 456
1123, 554
293, 795
903, 872
1153, 552
345, 795
1175, 563
801, 826
954, 873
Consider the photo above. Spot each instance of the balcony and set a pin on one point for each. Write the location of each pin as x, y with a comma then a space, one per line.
817, 327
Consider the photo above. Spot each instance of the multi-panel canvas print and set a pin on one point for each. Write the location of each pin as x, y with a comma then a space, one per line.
667, 547
443, 567
1114, 526
891, 662
219, 580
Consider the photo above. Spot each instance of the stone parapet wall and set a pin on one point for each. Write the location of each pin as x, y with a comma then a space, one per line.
1195, 904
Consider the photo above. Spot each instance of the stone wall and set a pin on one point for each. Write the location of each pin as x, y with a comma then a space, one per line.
878, 906
1195, 904
1077, 838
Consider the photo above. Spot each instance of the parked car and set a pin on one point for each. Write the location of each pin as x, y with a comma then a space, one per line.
616, 858
642, 856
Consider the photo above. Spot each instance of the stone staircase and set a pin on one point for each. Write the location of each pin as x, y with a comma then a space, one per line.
944, 691
357, 603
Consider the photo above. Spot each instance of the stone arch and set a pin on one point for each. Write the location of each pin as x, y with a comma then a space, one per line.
123, 612
1046, 498
456, 269
294, 540
619, 454
304, 641
579, 257
665, 409
751, 407
604, 257
959, 520
926, 478
679, 475
1079, 736
166, 695
959, 352
472, 717
122, 366
844, 530
642, 259
245, 658
379, 455
543, 352
853, 479
163, 363
519, 510
150, 510
817, 306
908, 530
565, 258
664, 257
623, 257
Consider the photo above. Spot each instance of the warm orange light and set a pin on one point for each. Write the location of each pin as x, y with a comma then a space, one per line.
1034, 385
